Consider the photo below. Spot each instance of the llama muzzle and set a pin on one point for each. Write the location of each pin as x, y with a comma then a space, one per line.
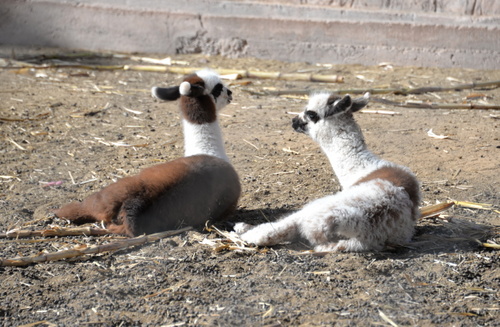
299, 125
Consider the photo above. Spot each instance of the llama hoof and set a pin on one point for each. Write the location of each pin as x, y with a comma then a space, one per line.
257, 238
330, 247
228, 225
241, 228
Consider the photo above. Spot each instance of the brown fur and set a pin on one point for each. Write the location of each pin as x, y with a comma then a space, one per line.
190, 106
185, 191
398, 177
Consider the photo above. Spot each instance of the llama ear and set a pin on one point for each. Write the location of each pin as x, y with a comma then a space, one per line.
360, 103
337, 105
191, 90
166, 93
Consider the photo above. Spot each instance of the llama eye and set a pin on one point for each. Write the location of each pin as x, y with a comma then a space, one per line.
312, 115
217, 90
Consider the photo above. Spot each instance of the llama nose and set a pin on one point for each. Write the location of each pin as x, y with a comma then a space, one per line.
298, 125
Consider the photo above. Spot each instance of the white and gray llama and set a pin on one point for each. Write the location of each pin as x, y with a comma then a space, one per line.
378, 204
190, 190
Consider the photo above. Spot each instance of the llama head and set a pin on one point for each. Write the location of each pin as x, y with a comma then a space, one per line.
323, 109
201, 94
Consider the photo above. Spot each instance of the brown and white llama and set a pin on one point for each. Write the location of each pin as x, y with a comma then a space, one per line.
379, 201
187, 191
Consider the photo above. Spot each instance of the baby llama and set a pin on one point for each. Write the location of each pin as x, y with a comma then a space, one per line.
378, 204
187, 191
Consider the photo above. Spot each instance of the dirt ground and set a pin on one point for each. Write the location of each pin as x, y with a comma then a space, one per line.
65, 133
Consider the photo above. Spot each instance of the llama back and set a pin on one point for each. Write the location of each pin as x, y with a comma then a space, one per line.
209, 190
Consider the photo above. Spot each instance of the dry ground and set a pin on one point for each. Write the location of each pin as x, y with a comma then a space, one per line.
67, 125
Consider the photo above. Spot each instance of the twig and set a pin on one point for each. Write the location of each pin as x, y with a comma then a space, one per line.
84, 250
37, 117
56, 231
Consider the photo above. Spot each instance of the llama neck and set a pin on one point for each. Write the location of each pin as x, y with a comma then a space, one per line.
203, 139
347, 152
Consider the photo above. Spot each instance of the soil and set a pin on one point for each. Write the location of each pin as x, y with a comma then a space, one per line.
66, 133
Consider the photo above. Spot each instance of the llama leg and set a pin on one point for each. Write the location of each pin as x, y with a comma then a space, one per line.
350, 245
313, 222
384, 218
341, 223
272, 233
122, 224
354, 245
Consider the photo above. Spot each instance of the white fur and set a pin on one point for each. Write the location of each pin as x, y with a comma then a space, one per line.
362, 217
210, 78
154, 91
203, 139
184, 88
206, 138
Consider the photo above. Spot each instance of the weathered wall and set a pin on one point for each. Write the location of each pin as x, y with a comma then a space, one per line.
455, 7
300, 30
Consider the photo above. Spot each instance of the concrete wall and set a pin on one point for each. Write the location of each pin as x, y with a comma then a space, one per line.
454, 7
367, 32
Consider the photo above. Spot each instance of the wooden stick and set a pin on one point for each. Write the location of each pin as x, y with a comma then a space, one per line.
190, 70
243, 73
84, 250
432, 105
62, 56
398, 91
407, 104
79, 55
431, 89
56, 231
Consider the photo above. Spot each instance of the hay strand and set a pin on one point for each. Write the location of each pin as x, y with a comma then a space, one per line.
474, 205
435, 209
387, 319
230, 241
